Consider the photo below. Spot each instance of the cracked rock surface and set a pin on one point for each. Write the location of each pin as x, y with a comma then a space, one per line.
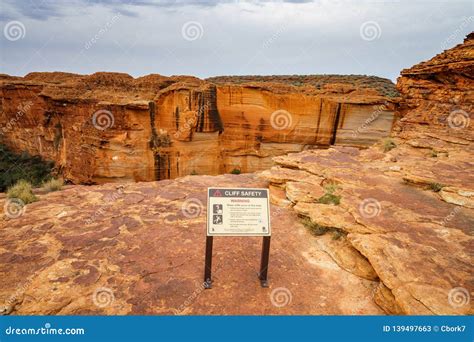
405, 205
139, 249
384, 229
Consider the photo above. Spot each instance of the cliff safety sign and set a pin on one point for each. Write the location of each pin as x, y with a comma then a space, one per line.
238, 212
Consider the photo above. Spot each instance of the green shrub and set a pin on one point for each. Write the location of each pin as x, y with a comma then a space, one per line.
434, 153
235, 171
16, 166
338, 233
53, 184
314, 228
388, 145
436, 187
319, 230
328, 198
193, 173
22, 190
330, 188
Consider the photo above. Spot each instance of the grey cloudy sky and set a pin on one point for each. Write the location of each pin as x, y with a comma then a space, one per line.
209, 38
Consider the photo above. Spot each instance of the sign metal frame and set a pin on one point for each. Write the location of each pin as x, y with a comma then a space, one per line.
265, 256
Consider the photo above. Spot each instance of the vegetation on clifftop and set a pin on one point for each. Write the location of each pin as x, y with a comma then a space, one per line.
22, 190
15, 167
329, 197
53, 184
318, 230
383, 86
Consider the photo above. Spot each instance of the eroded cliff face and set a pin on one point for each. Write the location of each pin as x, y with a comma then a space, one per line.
406, 212
438, 94
111, 127
400, 234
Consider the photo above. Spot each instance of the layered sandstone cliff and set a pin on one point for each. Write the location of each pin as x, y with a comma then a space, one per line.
400, 234
112, 127
406, 212
438, 94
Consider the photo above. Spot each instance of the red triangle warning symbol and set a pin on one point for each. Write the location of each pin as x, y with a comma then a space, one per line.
217, 193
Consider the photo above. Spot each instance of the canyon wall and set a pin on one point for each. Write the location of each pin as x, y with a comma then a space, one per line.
390, 225
404, 214
110, 127
438, 95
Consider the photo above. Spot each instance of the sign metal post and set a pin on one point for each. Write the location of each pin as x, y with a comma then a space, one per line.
263, 274
208, 263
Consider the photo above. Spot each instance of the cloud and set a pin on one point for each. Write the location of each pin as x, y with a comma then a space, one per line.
44, 9
233, 37
40, 10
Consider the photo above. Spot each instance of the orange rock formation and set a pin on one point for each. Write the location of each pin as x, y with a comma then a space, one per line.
111, 127
406, 212
399, 238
